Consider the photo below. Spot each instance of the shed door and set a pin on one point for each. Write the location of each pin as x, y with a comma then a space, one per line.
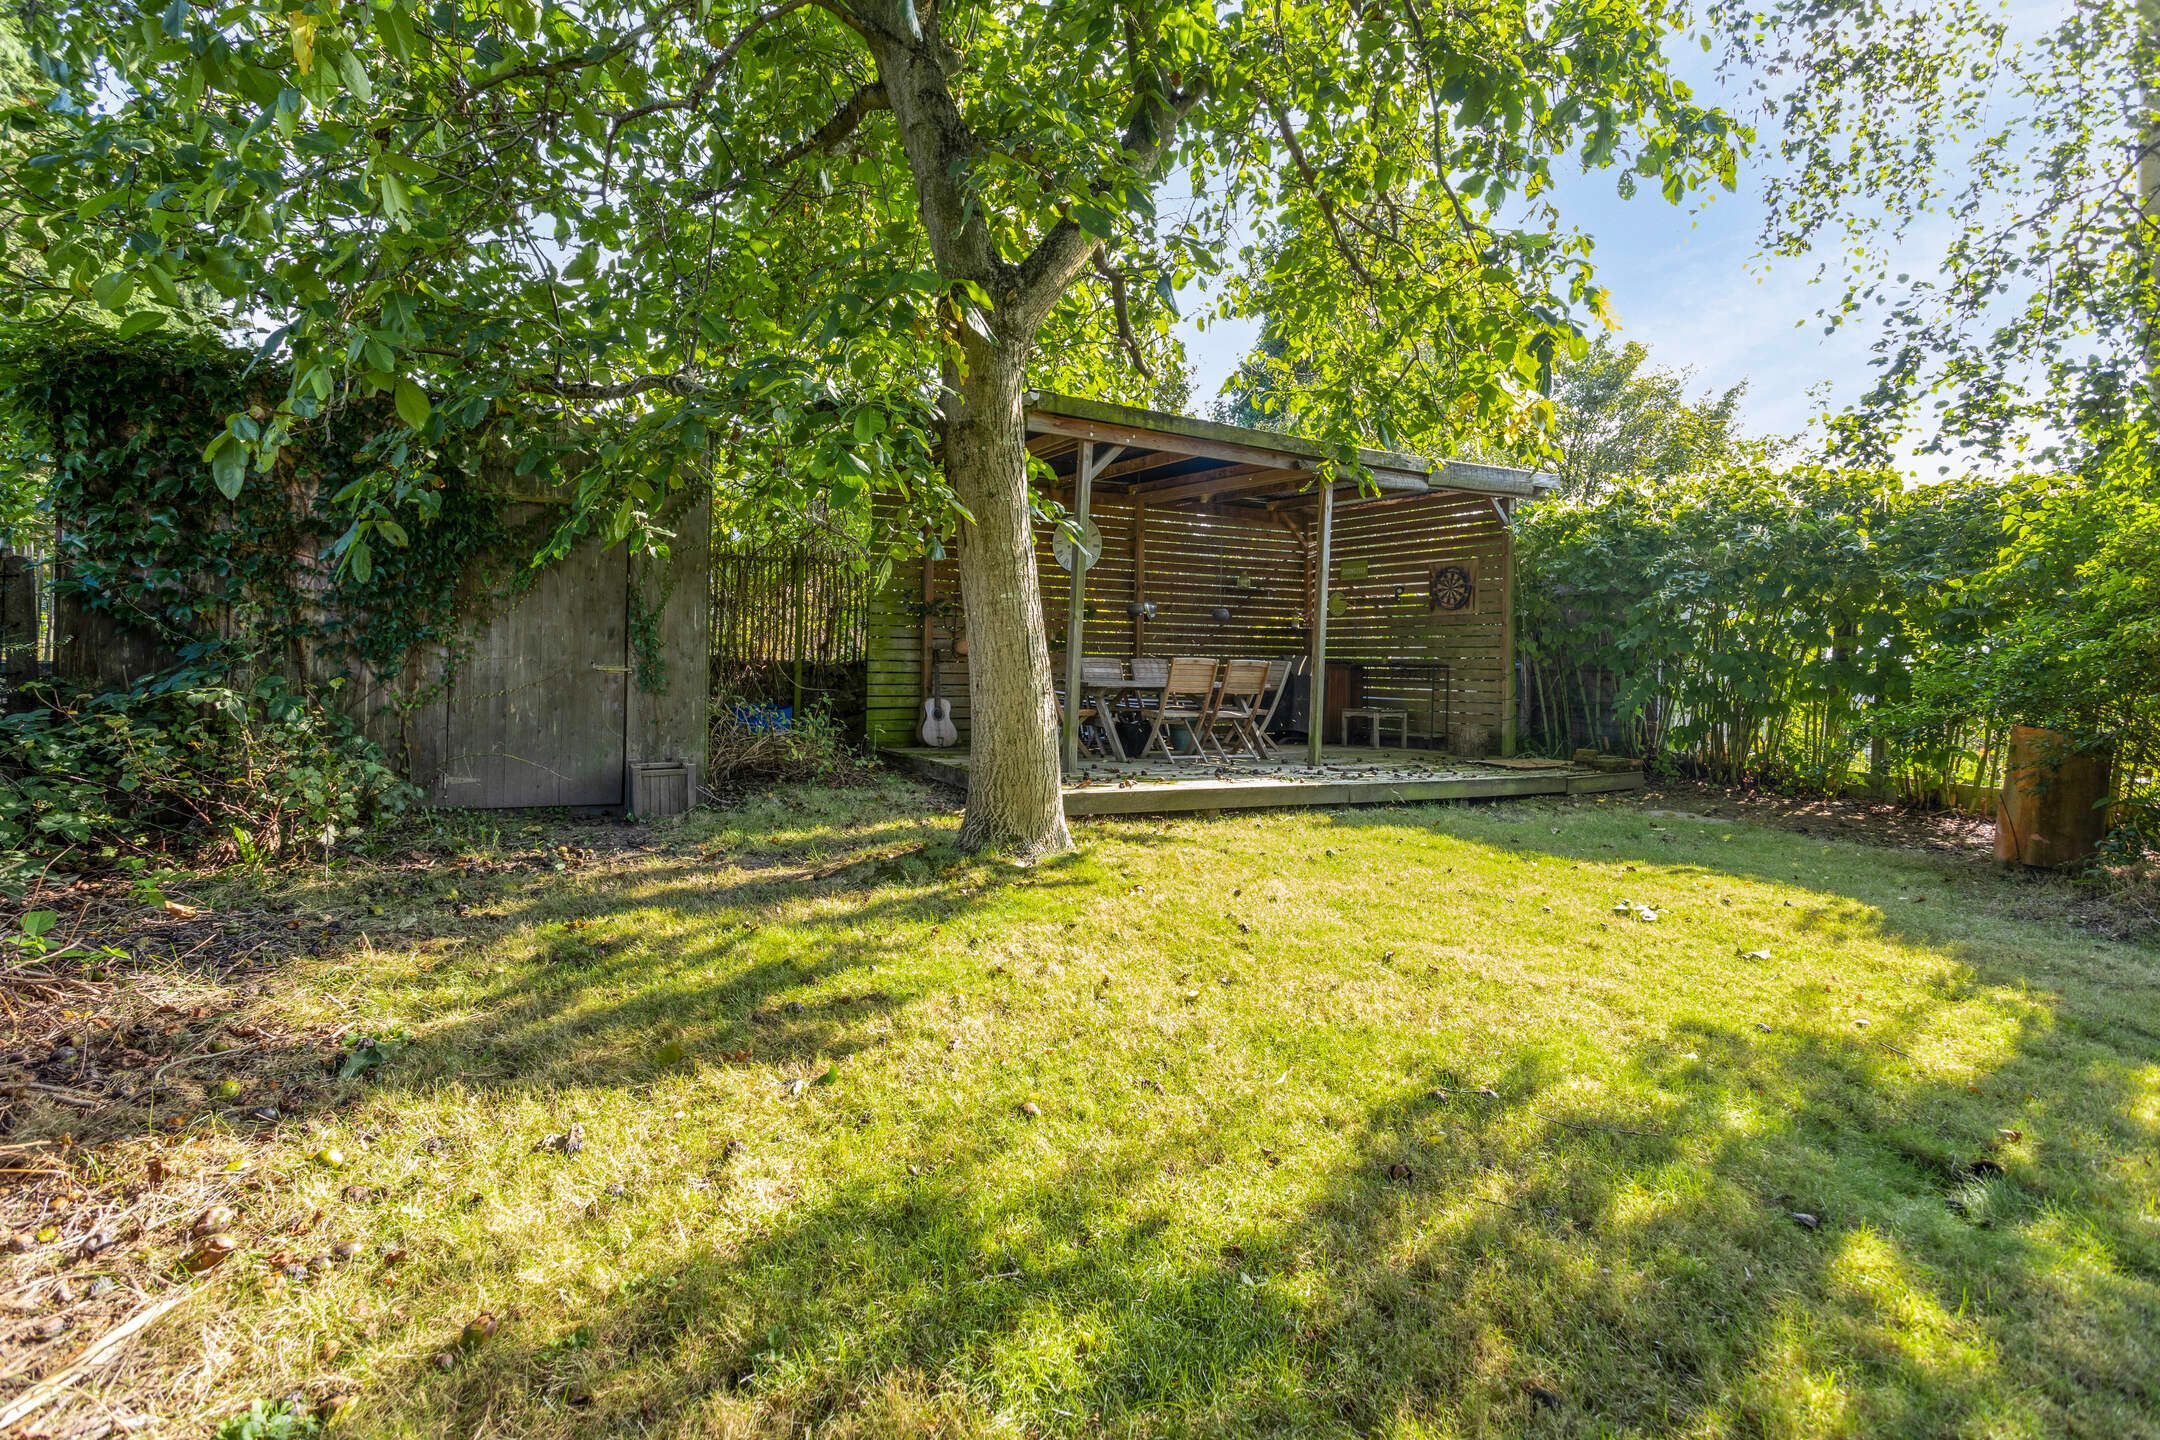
535, 711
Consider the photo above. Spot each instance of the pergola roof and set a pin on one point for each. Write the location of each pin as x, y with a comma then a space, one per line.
1176, 460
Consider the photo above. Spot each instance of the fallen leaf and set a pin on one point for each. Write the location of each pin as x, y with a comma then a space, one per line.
568, 1142
214, 1251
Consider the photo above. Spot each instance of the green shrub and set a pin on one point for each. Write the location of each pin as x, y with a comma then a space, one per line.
184, 762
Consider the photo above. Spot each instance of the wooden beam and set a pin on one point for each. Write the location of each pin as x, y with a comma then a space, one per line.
1243, 479
1508, 700
1316, 680
1103, 432
1139, 574
1135, 464
1076, 602
929, 662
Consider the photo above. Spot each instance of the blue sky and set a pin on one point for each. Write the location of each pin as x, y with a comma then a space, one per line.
1686, 280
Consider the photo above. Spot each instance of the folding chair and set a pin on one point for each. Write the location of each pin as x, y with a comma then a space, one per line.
1236, 704
1102, 677
1149, 674
1188, 699
1279, 671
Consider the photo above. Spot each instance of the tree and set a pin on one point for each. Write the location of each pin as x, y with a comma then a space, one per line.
1615, 420
832, 238
2035, 331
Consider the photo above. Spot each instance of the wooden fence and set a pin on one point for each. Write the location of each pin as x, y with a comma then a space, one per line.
26, 617
790, 626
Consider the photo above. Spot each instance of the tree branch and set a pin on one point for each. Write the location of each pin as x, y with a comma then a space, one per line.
1121, 309
1058, 257
867, 100
940, 150
1311, 177
868, 97
706, 79
675, 382
563, 65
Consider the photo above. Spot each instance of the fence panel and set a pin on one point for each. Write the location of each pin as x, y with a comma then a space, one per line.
789, 627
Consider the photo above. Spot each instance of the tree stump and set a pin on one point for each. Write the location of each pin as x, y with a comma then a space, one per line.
2053, 809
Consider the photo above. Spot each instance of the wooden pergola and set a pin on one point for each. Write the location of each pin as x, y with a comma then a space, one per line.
1160, 461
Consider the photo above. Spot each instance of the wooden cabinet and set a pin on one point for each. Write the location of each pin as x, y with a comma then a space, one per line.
1345, 690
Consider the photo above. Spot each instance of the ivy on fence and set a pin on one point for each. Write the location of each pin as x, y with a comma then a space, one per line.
114, 434
240, 587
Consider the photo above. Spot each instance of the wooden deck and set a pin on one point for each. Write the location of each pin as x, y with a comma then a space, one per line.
1351, 776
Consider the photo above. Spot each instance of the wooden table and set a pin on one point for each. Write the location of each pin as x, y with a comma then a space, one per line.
1103, 697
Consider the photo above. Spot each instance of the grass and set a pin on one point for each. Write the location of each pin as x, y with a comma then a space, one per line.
1301, 1123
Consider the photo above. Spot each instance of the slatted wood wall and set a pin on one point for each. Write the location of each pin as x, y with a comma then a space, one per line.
1448, 670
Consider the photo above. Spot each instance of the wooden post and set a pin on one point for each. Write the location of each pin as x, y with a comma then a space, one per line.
929, 598
1139, 576
1507, 626
1316, 678
1076, 603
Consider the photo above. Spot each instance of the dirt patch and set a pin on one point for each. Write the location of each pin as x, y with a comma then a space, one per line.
2121, 904
1872, 822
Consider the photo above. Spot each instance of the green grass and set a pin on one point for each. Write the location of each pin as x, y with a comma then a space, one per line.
1371, 1121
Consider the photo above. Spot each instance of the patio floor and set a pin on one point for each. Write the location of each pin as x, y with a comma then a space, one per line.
1350, 775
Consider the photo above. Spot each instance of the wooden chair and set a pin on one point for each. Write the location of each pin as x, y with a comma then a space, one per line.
1237, 704
1102, 680
1147, 670
1279, 671
1188, 699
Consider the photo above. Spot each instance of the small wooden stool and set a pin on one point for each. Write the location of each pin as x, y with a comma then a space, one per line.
1380, 720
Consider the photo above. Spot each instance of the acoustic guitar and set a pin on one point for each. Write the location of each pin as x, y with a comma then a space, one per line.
937, 727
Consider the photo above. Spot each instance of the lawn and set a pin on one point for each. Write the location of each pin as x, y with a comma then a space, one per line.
1568, 1118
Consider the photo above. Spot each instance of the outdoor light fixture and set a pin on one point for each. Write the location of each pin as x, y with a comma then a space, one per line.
1140, 609
1222, 614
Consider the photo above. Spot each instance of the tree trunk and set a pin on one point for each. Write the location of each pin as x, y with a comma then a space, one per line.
1014, 801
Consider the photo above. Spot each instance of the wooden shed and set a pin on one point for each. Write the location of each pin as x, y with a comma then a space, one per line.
1220, 540
585, 687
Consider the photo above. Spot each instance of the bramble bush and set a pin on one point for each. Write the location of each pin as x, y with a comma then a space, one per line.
190, 763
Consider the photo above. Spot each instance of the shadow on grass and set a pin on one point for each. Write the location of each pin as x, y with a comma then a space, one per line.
1721, 1229
1510, 1261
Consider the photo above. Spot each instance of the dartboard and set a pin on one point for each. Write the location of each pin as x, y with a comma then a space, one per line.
1451, 588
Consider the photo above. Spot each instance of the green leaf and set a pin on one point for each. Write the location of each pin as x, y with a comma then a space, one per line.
396, 202
112, 290
228, 467
412, 404
355, 76
139, 322
1094, 219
